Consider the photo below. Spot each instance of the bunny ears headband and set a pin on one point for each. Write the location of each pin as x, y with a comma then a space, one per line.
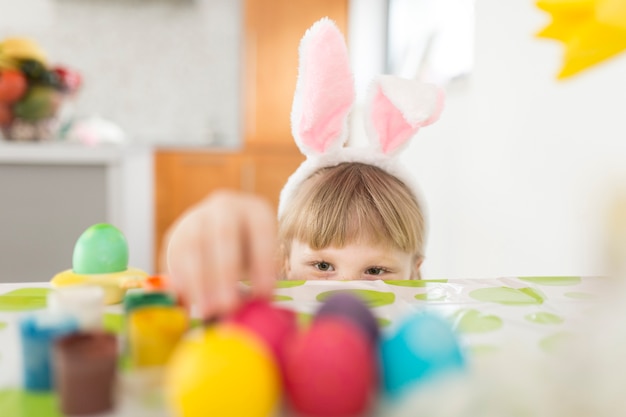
395, 110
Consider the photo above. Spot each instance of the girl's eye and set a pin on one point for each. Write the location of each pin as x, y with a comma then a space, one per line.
375, 271
323, 266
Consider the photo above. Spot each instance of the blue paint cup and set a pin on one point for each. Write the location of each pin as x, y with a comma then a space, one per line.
38, 332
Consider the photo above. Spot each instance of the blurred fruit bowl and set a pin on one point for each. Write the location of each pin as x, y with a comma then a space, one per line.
31, 91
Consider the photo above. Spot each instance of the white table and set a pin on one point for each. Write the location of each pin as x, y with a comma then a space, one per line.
488, 314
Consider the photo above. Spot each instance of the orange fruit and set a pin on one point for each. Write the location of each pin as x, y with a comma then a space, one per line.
6, 115
13, 86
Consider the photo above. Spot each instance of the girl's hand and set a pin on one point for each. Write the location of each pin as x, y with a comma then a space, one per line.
227, 237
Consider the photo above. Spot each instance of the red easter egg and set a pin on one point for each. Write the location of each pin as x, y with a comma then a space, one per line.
274, 325
331, 370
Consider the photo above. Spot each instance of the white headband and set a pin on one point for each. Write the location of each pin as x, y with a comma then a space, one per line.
395, 110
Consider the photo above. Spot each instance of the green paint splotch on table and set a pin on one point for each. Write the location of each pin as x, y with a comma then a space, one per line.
304, 319
21, 403
509, 296
579, 295
543, 317
113, 322
124, 362
280, 297
482, 349
383, 322
195, 322
289, 284
473, 321
430, 296
3, 324
419, 283
552, 280
24, 299
556, 343
372, 298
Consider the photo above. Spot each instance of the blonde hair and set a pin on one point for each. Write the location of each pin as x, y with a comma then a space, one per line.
350, 202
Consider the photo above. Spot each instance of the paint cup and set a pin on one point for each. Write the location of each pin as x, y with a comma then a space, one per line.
85, 366
38, 331
85, 302
139, 298
153, 332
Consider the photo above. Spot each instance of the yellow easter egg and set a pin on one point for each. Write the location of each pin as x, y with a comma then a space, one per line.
222, 371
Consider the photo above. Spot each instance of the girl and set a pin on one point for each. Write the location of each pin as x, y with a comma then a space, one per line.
352, 221
346, 213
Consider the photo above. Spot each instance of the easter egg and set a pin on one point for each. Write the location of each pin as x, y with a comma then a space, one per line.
223, 370
353, 308
274, 325
422, 347
330, 370
101, 249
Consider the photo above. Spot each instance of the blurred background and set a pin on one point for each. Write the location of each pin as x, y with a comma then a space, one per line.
518, 175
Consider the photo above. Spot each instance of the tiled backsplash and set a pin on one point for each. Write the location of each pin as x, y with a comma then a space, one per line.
166, 71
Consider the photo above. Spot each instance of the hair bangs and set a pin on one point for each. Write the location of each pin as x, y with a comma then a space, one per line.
353, 202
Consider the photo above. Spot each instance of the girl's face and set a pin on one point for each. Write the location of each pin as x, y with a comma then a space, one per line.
355, 261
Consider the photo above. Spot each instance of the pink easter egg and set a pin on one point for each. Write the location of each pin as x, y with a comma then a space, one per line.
273, 324
331, 370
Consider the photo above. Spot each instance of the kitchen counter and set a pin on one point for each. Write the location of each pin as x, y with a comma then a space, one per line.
63, 153
51, 192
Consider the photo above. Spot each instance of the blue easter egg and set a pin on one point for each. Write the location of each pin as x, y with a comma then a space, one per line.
422, 347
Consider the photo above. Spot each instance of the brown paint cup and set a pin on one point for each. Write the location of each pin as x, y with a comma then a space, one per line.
85, 367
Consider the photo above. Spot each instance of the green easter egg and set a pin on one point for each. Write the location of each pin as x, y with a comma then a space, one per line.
101, 249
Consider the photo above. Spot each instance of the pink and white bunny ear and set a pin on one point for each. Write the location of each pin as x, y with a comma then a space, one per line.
324, 91
397, 108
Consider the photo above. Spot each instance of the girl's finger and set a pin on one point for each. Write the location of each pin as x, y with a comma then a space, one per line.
260, 238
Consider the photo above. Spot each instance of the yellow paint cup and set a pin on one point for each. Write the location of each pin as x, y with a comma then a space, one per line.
153, 332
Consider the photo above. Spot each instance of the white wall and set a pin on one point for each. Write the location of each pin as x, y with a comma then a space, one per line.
518, 171
163, 70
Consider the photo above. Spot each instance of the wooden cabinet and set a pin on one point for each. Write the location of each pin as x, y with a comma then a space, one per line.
273, 29
265, 173
183, 178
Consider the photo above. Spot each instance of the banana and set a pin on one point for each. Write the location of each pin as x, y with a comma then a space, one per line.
8, 63
15, 49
